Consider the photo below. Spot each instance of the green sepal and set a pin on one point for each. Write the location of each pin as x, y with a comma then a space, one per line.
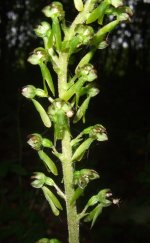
78, 5
78, 192
57, 33
48, 162
98, 13
42, 113
82, 149
52, 200
47, 76
82, 110
92, 216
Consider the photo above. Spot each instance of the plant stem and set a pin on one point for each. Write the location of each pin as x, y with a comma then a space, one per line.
67, 166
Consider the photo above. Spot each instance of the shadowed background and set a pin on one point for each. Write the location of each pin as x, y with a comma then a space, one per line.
122, 107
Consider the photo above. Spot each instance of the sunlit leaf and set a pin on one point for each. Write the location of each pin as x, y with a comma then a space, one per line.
42, 113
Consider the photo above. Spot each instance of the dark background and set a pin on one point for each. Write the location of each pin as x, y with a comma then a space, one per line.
122, 107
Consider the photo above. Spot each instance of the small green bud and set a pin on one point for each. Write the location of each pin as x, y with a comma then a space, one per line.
78, 5
54, 10
41, 93
47, 143
42, 29
116, 3
39, 55
35, 141
29, 91
93, 91
39, 179
87, 72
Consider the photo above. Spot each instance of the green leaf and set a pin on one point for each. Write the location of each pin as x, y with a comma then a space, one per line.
98, 13
78, 192
117, 3
99, 36
92, 201
47, 77
48, 162
53, 201
82, 110
86, 59
78, 5
92, 216
57, 33
82, 149
42, 113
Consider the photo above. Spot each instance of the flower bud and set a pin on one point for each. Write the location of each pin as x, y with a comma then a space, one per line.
93, 91
29, 91
55, 9
87, 72
39, 55
85, 33
39, 179
47, 143
35, 141
98, 132
42, 29
60, 105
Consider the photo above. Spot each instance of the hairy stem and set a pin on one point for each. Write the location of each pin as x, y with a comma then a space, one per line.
67, 166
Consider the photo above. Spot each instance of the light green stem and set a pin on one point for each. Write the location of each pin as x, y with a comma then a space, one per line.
67, 165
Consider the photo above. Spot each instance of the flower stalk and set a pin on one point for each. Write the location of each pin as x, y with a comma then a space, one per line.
69, 102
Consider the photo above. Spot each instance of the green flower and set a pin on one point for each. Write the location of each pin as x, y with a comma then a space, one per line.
54, 10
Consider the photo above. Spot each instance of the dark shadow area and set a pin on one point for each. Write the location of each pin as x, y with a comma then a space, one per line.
122, 107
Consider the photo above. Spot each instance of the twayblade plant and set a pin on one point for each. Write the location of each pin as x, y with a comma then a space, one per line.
69, 98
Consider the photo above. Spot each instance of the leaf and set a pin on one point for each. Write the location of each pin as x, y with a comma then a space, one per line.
99, 36
42, 113
47, 77
82, 110
48, 162
98, 13
78, 192
53, 201
78, 5
82, 149
57, 33
86, 59
117, 3
92, 216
